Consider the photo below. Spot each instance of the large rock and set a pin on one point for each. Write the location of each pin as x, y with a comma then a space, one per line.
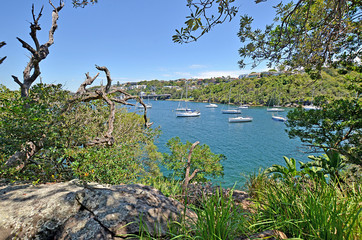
73, 211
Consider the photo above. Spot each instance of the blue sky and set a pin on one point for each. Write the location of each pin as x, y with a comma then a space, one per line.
132, 38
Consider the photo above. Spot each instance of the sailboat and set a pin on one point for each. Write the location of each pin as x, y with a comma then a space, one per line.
275, 108
211, 105
240, 119
311, 106
230, 111
148, 104
185, 111
243, 106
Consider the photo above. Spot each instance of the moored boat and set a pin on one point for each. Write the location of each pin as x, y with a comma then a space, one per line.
188, 113
279, 118
240, 119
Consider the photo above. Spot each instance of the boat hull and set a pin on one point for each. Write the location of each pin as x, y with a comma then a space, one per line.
278, 118
188, 114
231, 111
211, 105
240, 119
275, 110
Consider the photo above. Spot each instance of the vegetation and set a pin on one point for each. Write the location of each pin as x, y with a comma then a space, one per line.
61, 139
192, 163
287, 88
48, 134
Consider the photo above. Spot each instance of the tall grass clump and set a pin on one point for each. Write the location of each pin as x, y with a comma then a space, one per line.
310, 209
219, 218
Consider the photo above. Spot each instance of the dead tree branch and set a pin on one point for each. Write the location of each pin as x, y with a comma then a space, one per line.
106, 94
32, 70
3, 58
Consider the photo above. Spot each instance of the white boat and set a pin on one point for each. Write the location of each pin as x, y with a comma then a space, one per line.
184, 111
275, 109
243, 106
148, 105
230, 111
188, 113
279, 118
311, 107
211, 105
240, 119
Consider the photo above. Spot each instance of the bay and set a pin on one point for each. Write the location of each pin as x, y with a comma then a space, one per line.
247, 146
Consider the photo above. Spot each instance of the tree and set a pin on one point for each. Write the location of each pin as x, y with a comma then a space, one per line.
308, 34
58, 136
188, 158
40, 52
337, 127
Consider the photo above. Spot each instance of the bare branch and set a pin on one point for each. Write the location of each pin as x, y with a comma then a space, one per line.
41, 51
2, 60
89, 80
16, 79
55, 16
27, 46
35, 27
108, 75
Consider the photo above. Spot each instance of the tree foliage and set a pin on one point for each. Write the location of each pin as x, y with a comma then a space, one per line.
306, 34
204, 162
62, 133
337, 127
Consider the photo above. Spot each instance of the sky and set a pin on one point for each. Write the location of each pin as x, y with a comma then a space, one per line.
133, 39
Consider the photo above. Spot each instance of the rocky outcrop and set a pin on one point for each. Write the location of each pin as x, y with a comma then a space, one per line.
74, 211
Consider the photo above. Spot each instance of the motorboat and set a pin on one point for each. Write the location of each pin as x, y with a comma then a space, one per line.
279, 118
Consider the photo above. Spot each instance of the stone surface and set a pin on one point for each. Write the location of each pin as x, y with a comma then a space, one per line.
73, 211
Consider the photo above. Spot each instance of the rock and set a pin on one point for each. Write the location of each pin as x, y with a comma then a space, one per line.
73, 211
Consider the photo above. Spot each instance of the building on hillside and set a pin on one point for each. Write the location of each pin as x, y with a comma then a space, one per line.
254, 75
241, 76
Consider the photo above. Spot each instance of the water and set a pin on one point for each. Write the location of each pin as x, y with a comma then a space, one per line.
247, 146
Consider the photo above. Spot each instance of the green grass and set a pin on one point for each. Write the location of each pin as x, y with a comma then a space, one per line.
301, 208
310, 209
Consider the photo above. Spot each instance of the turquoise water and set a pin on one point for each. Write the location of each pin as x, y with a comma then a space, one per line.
247, 146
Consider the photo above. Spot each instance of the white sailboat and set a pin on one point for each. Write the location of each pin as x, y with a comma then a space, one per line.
211, 105
188, 113
185, 111
240, 119
243, 106
230, 111
311, 106
180, 104
148, 104
275, 108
